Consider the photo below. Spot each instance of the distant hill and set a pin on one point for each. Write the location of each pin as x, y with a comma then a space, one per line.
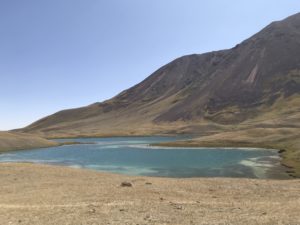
251, 82
12, 141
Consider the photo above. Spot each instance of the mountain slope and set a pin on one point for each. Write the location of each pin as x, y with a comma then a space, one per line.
213, 90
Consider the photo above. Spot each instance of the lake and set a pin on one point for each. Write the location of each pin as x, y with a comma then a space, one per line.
136, 156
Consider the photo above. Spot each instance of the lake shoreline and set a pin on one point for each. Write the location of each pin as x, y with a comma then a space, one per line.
290, 170
196, 164
291, 167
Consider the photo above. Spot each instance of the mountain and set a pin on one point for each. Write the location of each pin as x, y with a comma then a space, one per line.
210, 90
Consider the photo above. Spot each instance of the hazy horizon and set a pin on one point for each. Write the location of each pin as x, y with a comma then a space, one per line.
64, 54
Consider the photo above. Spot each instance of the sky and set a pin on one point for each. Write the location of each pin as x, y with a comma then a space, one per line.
59, 54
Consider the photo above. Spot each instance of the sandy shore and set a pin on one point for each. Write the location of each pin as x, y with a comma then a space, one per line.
41, 194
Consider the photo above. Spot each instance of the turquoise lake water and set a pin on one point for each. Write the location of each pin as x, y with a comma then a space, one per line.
135, 156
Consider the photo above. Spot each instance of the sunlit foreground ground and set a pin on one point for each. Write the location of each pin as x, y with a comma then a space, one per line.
41, 194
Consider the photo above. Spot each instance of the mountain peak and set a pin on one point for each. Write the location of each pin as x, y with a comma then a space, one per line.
291, 22
295, 18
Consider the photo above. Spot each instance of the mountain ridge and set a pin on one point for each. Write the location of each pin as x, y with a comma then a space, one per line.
222, 87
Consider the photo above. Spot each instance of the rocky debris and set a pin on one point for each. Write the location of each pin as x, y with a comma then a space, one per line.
147, 217
126, 184
92, 210
176, 206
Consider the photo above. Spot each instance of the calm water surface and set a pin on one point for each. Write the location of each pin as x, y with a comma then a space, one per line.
135, 156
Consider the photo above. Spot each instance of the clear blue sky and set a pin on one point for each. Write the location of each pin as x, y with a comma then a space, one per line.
58, 54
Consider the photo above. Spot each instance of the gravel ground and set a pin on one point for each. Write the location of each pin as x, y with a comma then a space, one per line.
40, 194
